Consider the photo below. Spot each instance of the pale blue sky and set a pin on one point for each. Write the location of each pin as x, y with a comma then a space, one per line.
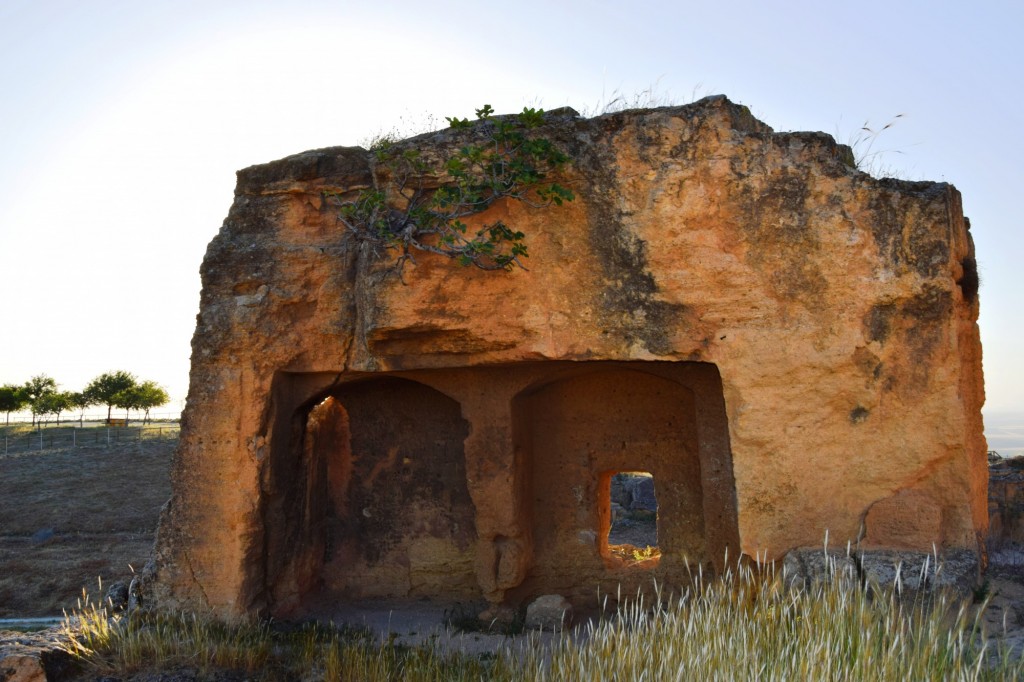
122, 124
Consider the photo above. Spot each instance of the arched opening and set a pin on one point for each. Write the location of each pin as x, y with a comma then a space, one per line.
576, 434
378, 502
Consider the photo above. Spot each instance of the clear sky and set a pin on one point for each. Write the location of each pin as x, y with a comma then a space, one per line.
122, 123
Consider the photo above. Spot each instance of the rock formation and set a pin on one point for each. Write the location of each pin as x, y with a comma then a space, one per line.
1006, 503
787, 344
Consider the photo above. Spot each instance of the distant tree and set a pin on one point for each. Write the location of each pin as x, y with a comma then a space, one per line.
81, 401
144, 396
54, 403
151, 395
12, 399
35, 388
104, 389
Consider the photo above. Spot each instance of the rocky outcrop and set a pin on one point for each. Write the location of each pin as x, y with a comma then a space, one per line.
906, 573
787, 344
34, 657
1006, 503
549, 612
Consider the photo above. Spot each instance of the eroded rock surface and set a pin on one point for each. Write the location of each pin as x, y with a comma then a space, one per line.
34, 657
1006, 504
787, 344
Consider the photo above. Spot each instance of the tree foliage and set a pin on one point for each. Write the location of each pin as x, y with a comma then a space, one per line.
103, 390
38, 386
36, 389
54, 402
113, 389
80, 400
12, 399
144, 396
408, 210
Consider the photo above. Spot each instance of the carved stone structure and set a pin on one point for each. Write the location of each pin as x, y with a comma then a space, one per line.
787, 344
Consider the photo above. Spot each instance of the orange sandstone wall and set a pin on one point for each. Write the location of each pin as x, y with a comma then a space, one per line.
835, 311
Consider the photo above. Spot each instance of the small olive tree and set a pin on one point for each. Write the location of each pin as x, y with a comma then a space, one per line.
54, 403
144, 396
409, 210
103, 389
12, 399
36, 390
81, 401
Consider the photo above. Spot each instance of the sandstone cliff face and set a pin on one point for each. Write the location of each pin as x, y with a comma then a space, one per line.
809, 333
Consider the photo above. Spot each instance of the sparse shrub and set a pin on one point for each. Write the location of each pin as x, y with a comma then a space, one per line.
408, 211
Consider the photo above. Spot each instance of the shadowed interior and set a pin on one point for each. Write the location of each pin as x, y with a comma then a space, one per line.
386, 511
579, 431
463, 483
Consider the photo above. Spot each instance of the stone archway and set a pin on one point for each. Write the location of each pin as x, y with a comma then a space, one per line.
378, 504
577, 431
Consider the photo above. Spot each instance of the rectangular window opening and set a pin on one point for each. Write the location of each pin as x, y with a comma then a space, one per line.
631, 526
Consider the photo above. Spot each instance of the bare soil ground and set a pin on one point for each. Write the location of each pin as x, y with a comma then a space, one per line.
71, 516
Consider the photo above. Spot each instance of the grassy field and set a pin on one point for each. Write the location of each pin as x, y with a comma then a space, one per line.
69, 516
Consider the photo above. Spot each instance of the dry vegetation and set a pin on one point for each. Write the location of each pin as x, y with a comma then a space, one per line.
69, 516
746, 626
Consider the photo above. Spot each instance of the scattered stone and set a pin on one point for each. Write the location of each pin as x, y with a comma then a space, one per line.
33, 657
633, 492
809, 566
919, 571
548, 612
43, 535
117, 596
641, 494
618, 493
955, 570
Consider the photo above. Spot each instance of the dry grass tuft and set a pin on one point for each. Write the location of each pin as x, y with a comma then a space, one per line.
746, 625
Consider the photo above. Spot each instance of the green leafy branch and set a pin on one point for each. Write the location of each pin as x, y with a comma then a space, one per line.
407, 210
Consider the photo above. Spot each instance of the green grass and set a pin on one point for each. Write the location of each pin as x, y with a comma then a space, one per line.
746, 625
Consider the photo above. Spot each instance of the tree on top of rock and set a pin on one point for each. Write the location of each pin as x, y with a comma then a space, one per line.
409, 210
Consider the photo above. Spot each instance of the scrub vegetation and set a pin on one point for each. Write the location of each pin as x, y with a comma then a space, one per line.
744, 625
417, 204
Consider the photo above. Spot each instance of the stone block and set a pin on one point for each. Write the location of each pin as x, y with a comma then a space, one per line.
549, 612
